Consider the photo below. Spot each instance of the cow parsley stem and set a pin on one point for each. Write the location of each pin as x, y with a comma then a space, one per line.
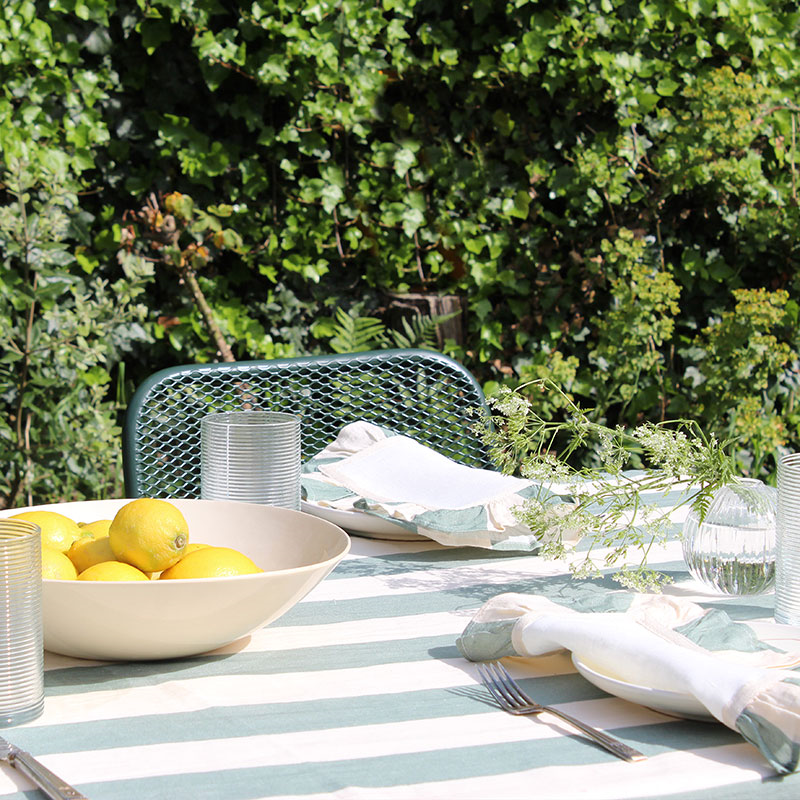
612, 506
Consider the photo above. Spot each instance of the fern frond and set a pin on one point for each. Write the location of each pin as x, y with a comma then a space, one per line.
701, 504
420, 331
354, 334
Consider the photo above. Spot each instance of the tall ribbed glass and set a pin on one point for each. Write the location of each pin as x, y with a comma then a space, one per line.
21, 649
787, 577
252, 457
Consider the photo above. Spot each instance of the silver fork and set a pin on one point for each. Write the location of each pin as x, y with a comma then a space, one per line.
511, 698
47, 781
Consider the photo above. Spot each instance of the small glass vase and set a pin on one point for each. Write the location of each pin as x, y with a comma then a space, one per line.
733, 549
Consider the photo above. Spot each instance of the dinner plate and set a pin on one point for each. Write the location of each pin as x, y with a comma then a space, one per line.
673, 704
679, 704
784, 637
361, 524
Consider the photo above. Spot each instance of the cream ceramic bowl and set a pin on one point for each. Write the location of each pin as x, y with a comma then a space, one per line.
133, 621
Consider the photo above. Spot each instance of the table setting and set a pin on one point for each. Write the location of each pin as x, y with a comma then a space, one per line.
407, 649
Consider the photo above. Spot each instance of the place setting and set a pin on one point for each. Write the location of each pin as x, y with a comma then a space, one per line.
664, 652
378, 484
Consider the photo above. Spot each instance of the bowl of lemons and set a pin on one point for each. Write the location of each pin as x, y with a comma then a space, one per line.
149, 578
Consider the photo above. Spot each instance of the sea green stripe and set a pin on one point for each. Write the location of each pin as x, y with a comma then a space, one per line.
278, 718
775, 743
393, 770
716, 631
603, 594
345, 656
454, 520
320, 490
386, 606
743, 608
397, 563
72, 681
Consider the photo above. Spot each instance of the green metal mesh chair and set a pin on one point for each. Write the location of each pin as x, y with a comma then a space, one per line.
420, 393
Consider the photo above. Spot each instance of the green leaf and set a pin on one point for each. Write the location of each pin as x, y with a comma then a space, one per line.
154, 33
355, 334
404, 159
517, 206
667, 87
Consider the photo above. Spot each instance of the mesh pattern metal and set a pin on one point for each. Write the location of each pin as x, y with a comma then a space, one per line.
417, 393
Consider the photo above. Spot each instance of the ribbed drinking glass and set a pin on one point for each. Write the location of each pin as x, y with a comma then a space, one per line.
252, 457
787, 582
21, 647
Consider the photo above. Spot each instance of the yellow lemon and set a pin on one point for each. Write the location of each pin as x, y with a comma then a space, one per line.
192, 546
58, 531
148, 533
56, 566
211, 562
87, 551
96, 529
112, 571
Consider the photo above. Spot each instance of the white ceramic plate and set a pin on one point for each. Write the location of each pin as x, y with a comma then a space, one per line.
361, 524
673, 704
678, 704
146, 620
784, 637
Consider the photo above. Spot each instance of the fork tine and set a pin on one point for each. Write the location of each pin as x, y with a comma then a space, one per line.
512, 687
497, 688
510, 697
489, 682
501, 686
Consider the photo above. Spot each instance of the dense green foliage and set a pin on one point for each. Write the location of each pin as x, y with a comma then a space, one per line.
611, 185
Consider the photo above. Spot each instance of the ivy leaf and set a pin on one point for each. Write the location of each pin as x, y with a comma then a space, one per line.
331, 195
404, 159
517, 206
413, 219
667, 87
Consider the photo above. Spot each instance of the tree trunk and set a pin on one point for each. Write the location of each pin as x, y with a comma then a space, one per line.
433, 305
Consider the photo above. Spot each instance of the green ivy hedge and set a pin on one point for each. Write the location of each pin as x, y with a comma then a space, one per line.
610, 186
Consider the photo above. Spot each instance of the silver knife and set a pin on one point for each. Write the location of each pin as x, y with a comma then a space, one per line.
48, 782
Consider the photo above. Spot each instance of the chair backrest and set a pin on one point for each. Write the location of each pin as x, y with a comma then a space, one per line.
419, 393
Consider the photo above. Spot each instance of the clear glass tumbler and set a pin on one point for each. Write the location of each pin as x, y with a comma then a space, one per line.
252, 457
732, 549
21, 646
787, 583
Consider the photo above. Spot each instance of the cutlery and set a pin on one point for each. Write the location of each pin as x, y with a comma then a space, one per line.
48, 782
511, 698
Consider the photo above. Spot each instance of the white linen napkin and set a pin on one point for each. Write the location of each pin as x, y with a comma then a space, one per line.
371, 470
642, 647
399, 470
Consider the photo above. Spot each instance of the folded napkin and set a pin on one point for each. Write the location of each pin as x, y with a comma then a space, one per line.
651, 644
371, 470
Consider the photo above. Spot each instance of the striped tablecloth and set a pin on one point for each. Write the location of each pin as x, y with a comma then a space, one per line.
360, 692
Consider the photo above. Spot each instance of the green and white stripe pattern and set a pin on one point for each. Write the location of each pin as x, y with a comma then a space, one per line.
664, 643
361, 692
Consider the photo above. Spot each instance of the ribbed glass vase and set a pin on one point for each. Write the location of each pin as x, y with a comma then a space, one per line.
732, 549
